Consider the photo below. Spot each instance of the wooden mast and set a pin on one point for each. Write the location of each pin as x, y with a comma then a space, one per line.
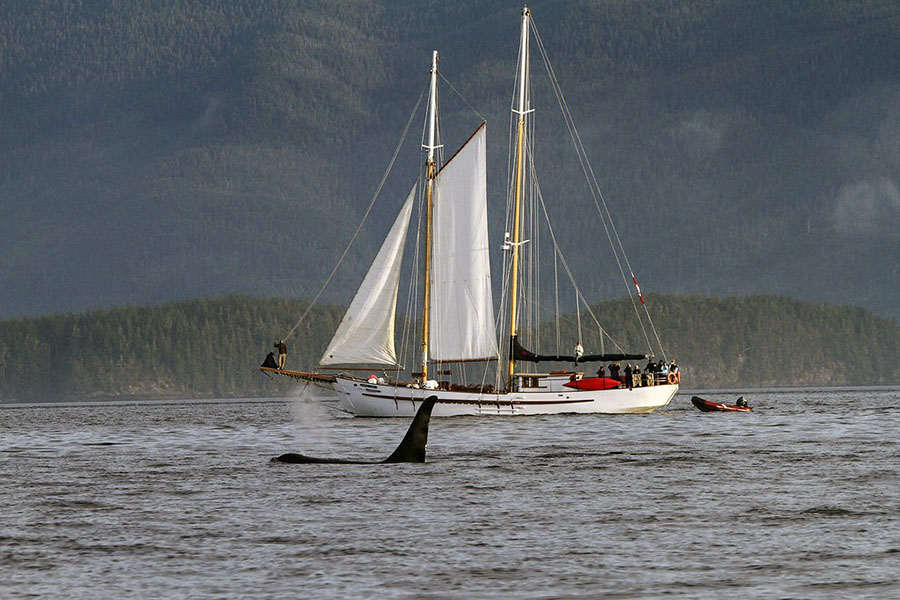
430, 173
520, 154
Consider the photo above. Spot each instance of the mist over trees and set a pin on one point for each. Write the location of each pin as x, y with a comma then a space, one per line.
166, 150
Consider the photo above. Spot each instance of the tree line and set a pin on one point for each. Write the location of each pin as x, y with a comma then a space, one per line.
212, 347
195, 348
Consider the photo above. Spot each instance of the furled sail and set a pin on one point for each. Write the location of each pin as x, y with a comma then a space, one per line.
462, 310
520, 353
366, 333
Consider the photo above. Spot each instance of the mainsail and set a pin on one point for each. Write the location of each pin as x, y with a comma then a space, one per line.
462, 310
366, 333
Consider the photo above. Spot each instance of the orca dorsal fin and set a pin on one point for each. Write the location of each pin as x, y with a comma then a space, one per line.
412, 448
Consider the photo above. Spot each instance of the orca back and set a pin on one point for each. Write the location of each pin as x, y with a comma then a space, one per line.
302, 459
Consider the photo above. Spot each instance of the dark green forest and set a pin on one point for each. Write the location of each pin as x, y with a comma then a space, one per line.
157, 151
190, 349
212, 347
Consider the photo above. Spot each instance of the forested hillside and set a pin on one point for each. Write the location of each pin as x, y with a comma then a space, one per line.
759, 341
191, 349
212, 347
153, 151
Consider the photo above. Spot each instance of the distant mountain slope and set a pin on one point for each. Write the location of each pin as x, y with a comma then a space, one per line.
212, 347
155, 151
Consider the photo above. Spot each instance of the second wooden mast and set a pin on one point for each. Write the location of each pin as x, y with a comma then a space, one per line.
521, 111
430, 173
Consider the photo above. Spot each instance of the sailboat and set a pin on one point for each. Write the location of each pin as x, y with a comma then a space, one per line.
458, 324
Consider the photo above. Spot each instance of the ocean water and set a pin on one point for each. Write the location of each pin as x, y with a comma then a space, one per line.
799, 499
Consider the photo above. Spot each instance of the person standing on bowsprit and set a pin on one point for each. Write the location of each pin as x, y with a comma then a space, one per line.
282, 353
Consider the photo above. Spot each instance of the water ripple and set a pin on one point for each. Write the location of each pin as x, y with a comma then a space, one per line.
179, 499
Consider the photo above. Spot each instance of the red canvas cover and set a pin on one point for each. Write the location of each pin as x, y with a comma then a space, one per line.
594, 383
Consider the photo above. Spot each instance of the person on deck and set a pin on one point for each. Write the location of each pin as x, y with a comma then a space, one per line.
663, 369
614, 371
629, 381
282, 353
601, 372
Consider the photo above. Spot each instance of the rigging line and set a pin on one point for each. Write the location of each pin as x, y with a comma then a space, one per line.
530, 220
510, 175
411, 295
595, 190
502, 322
412, 330
579, 145
653, 327
565, 263
570, 274
507, 271
600, 328
461, 97
363, 220
556, 296
601, 331
534, 249
578, 316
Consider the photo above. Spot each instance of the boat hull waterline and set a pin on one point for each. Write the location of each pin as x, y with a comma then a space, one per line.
364, 399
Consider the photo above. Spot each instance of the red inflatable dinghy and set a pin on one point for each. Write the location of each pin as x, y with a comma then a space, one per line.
710, 406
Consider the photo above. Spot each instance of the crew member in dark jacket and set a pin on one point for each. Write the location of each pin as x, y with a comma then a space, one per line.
282, 353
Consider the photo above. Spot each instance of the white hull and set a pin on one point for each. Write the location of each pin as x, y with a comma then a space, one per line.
363, 399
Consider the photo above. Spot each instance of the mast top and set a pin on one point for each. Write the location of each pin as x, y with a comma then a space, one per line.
431, 146
523, 65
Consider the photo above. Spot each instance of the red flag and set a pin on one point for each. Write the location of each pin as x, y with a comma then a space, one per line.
638, 288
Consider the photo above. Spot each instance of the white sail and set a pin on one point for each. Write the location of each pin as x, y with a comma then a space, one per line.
366, 333
462, 310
